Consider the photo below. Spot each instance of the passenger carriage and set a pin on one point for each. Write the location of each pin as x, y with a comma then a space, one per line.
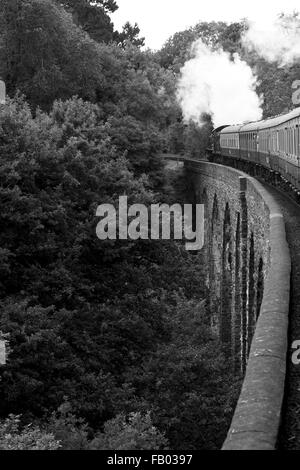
273, 143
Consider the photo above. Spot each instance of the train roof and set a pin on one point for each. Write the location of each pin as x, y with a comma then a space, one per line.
251, 126
277, 120
231, 129
220, 128
263, 124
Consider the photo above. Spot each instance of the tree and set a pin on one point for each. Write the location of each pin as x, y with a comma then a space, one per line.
93, 17
45, 55
71, 432
190, 387
196, 138
177, 49
96, 328
29, 437
133, 433
130, 33
275, 81
107, 5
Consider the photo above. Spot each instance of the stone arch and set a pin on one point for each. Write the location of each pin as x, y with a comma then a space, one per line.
215, 265
227, 283
237, 323
244, 278
251, 317
215, 210
200, 197
196, 198
260, 286
204, 200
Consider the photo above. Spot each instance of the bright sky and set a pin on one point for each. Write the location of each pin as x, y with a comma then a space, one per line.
159, 19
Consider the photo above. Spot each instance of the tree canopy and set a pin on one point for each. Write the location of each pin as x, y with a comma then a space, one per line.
109, 339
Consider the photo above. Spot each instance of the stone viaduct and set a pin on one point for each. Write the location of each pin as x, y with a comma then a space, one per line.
248, 280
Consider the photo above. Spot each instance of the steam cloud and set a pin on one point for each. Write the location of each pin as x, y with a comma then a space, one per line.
212, 83
275, 41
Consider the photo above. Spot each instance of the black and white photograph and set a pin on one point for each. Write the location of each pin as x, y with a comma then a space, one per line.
149, 229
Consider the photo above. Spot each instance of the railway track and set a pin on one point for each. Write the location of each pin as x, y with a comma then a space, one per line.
289, 435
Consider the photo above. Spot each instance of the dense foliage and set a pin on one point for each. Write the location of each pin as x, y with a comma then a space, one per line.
109, 342
274, 82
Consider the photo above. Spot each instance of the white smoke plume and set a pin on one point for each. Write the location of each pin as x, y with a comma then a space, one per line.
276, 40
212, 83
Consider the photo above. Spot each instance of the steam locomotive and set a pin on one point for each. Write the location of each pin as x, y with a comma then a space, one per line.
272, 143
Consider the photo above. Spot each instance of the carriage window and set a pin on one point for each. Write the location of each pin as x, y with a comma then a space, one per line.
294, 135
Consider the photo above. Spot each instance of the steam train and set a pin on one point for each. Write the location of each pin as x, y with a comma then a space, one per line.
272, 143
